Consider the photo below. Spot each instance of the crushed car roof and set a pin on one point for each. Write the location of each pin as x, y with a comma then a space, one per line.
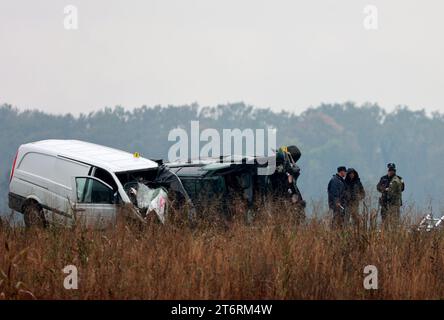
207, 166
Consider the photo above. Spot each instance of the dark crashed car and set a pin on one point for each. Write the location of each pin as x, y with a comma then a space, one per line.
220, 182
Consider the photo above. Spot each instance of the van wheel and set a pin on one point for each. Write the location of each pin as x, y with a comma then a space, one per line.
33, 216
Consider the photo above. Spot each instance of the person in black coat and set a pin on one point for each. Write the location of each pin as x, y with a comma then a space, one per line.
354, 193
336, 196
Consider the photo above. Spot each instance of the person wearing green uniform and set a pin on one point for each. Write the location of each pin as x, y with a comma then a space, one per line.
391, 187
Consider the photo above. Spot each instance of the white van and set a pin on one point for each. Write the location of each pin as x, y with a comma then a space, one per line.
63, 181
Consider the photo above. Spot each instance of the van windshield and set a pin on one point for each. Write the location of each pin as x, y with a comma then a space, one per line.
136, 176
140, 185
142, 188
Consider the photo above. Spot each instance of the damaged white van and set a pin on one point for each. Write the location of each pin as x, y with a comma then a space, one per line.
67, 181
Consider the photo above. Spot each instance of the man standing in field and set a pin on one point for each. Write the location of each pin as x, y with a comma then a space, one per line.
336, 197
391, 187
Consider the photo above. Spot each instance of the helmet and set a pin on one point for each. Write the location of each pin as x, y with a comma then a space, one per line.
391, 166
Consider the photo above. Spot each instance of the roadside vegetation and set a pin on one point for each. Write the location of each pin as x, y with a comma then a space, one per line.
275, 257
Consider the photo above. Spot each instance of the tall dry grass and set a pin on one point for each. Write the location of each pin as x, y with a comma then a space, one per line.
272, 258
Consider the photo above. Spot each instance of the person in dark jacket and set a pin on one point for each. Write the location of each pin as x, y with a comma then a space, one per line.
284, 180
354, 193
336, 197
391, 187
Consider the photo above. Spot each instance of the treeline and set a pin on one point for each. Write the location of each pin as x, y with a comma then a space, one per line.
364, 137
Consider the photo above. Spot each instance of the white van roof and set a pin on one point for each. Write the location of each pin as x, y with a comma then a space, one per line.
93, 154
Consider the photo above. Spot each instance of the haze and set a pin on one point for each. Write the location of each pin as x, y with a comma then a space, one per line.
279, 54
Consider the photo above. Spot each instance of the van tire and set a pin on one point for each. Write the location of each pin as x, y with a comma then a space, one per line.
33, 215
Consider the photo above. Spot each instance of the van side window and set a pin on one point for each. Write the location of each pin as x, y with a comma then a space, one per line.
106, 177
92, 191
66, 169
38, 164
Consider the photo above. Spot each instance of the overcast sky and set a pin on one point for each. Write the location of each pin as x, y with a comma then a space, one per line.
279, 54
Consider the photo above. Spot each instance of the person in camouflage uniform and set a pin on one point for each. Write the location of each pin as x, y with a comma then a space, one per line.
391, 187
284, 180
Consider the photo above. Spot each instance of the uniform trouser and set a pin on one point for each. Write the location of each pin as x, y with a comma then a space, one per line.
390, 213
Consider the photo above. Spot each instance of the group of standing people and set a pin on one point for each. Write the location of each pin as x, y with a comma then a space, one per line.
345, 192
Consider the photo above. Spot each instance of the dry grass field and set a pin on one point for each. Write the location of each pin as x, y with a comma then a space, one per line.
272, 258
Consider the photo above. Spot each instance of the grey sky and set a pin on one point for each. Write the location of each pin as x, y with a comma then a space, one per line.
279, 54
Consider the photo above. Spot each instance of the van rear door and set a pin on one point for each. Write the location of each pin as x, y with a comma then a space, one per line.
95, 202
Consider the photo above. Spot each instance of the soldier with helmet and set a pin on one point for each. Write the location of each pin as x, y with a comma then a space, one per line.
391, 187
283, 181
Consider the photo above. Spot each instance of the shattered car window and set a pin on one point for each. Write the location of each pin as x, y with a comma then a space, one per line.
145, 195
148, 199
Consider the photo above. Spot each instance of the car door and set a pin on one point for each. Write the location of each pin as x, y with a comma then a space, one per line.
94, 202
